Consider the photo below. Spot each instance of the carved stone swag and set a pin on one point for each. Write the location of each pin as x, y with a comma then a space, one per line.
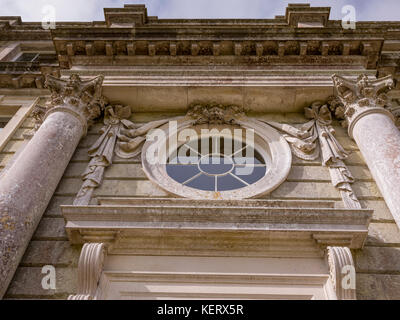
314, 139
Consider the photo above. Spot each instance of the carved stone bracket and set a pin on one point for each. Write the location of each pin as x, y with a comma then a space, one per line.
342, 272
90, 267
101, 153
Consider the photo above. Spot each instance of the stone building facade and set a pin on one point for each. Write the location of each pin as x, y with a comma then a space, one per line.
318, 218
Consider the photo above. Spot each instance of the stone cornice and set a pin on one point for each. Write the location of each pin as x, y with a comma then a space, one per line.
117, 220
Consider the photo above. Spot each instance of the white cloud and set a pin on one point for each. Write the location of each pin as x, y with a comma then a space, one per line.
88, 10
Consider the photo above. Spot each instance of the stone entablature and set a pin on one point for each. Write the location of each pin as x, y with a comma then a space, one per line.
120, 221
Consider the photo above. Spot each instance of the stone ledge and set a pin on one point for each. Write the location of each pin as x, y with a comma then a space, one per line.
278, 226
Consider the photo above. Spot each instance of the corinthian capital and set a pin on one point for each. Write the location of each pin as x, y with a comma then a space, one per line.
362, 97
80, 97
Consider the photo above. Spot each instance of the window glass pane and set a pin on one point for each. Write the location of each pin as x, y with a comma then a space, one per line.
202, 182
228, 182
182, 173
216, 164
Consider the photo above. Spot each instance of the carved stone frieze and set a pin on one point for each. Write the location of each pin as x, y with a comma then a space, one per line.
90, 267
101, 153
361, 97
81, 98
341, 265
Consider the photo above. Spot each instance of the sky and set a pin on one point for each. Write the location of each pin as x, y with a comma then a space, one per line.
89, 10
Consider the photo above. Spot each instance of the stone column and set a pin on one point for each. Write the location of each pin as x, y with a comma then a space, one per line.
372, 126
28, 185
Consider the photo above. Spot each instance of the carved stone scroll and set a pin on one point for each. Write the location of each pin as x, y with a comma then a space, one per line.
342, 272
101, 153
303, 141
132, 137
90, 267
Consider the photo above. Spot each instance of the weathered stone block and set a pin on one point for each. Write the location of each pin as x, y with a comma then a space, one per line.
56, 253
347, 143
129, 188
121, 171
4, 158
88, 141
19, 134
51, 229
366, 189
292, 117
309, 173
377, 287
27, 283
53, 209
75, 170
306, 190
378, 260
81, 154
320, 173
355, 158
69, 186
115, 171
28, 123
13, 146
381, 211
383, 234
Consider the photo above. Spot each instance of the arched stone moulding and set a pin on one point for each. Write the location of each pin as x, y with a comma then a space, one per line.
271, 145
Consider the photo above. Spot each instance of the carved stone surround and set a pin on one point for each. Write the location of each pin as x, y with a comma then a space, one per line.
102, 276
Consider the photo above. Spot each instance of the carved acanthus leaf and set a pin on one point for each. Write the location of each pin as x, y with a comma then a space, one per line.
360, 97
372, 91
79, 96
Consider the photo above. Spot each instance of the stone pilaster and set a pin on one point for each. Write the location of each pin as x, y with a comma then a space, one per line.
28, 185
372, 127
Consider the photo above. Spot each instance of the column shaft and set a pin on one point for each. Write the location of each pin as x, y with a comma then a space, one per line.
379, 142
28, 185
